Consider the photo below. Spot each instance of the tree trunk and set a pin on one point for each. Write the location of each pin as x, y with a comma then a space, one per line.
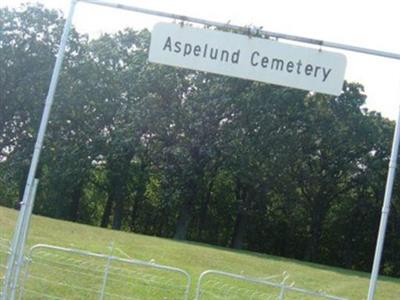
105, 219
118, 177
186, 212
138, 202
204, 211
184, 219
161, 228
76, 200
313, 249
239, 229
117, 216
134, 214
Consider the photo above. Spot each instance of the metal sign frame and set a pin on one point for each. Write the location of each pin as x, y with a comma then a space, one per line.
16, 257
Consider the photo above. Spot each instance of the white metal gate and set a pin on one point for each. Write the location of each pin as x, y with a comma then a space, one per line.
53, 272
5, 247
213, 284
64, 273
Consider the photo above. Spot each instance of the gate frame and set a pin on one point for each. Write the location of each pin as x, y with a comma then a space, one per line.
16, 257
108, 260
281, 286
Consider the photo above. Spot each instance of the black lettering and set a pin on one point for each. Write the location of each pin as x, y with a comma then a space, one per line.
205, 50
252, 58
167, 44
299, 64
326, 74
213, 53
196, 50
317, 68
289, 67
277, 64
235, 57
187, 49
178, 47
226, 54
308, 70
264, 62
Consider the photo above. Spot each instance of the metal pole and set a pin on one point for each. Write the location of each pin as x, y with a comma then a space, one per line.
25, 278
106, 271
385, 210
24, 230
29, 209
278, 35
16, 244
282, 293
19, 236
11, 256
281, 285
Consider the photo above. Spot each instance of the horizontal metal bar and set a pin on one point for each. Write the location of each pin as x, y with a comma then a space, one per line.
264, 282
103, 256
114, 258
244, 29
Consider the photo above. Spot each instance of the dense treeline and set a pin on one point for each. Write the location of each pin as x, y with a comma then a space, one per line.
184, 154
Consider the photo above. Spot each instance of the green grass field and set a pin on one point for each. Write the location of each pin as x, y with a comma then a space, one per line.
192, 257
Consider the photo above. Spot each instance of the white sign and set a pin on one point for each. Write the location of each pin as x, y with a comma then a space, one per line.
247, 57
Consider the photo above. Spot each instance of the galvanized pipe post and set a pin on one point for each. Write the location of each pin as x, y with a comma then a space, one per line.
22, 223
385, 209
25, 226
106, 272
19, 238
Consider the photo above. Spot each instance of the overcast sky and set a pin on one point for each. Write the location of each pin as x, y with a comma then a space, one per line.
365, 23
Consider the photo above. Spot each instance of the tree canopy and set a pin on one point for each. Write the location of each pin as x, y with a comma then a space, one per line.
190, 155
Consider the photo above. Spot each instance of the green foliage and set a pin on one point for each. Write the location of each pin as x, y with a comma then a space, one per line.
190, 155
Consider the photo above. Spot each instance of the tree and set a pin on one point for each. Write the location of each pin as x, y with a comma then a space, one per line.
191, 155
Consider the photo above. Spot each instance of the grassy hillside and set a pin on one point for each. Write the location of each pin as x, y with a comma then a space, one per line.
192, 257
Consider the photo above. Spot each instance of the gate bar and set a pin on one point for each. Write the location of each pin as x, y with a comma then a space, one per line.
16, 256
245, 29
281, 285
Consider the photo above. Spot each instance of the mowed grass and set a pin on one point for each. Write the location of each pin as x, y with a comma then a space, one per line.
192, 257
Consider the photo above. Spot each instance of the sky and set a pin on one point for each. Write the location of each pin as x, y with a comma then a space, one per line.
364, 23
